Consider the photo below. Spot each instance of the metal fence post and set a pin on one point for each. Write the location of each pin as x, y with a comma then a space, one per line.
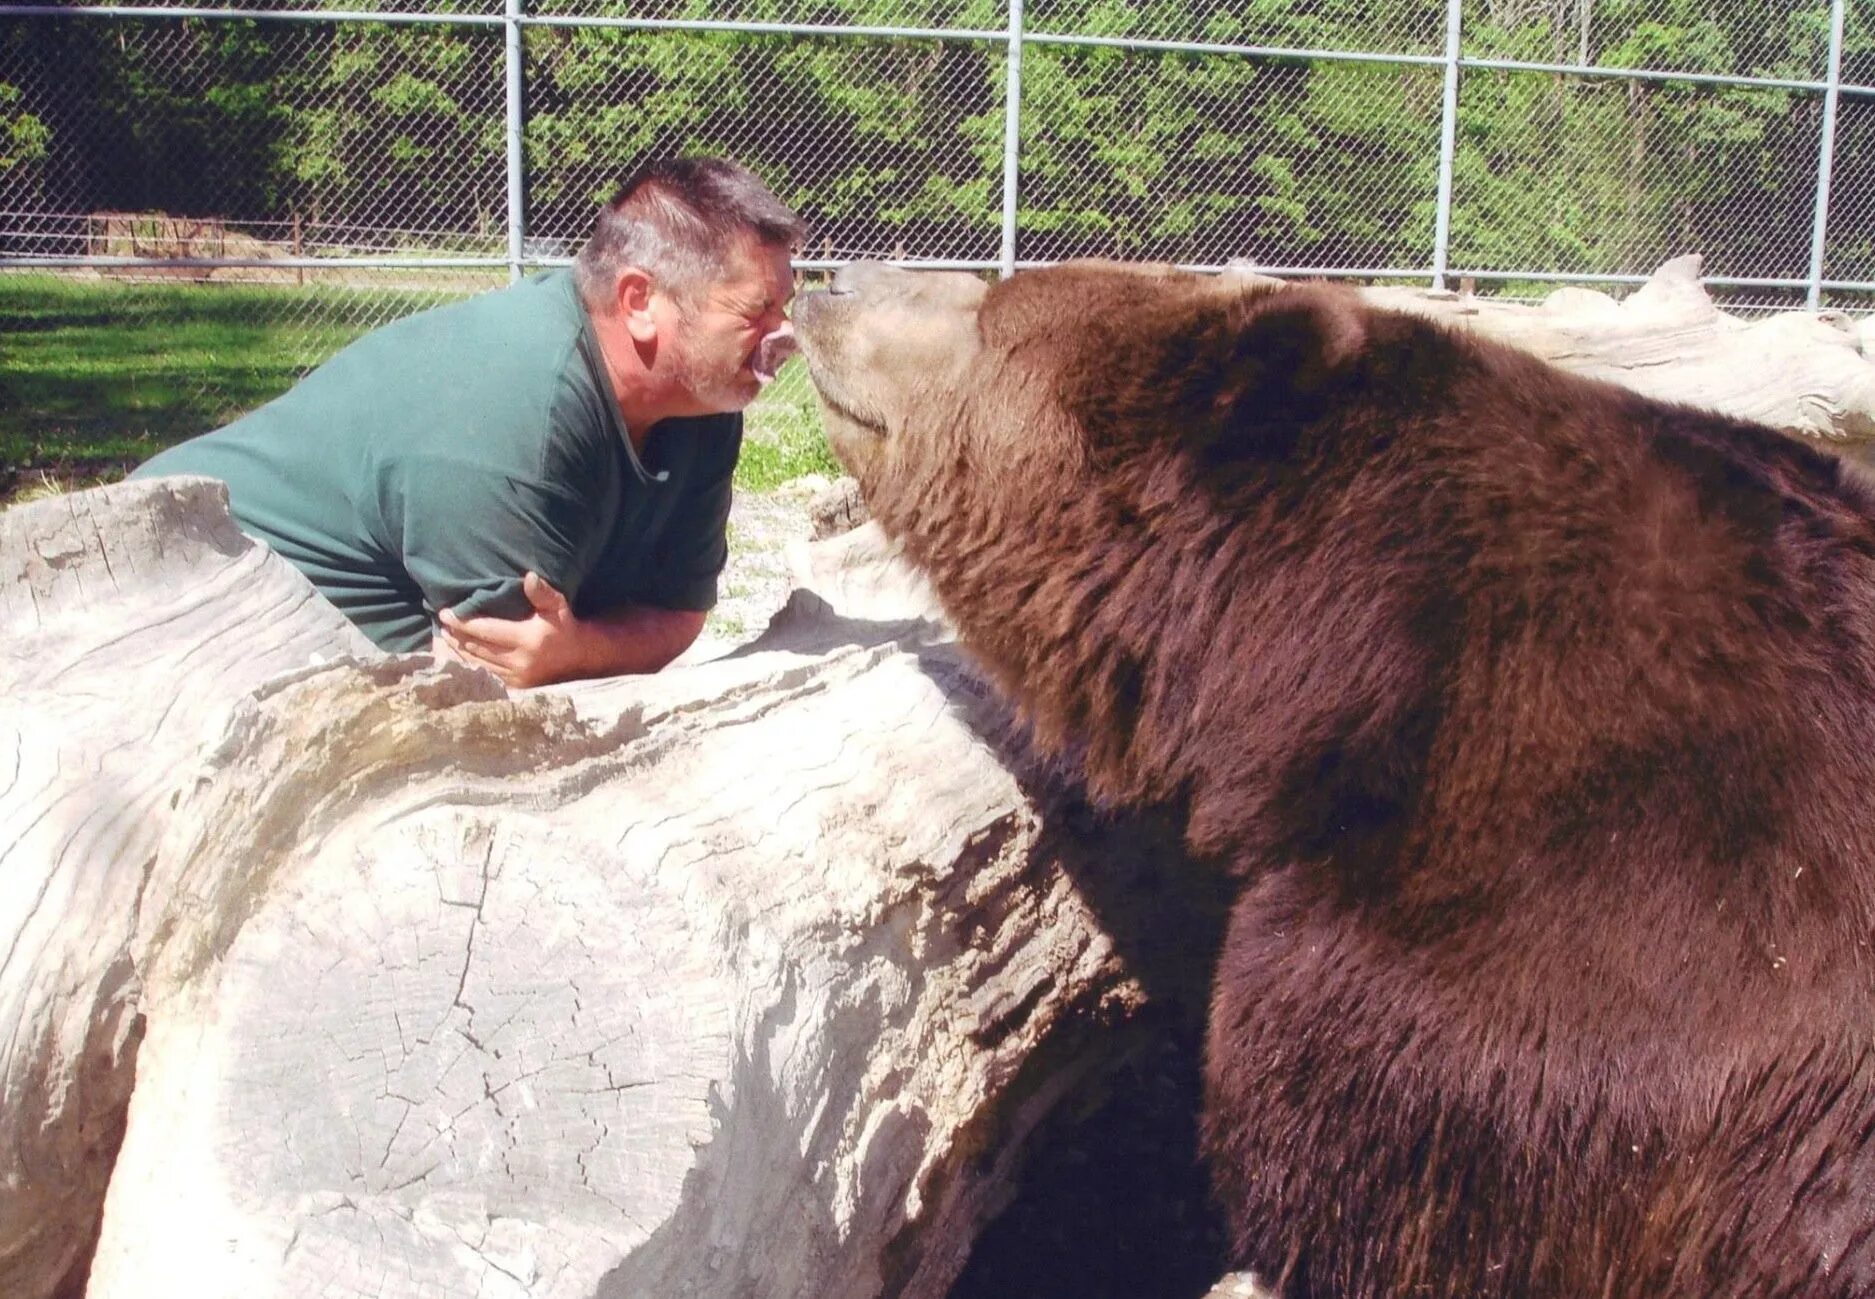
1826, 156
38, 233
517, 162
1012, 138
1448, 143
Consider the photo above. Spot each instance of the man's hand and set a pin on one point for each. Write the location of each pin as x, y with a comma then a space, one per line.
547, 645
551, 644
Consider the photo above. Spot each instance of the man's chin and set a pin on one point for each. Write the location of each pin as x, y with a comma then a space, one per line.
727, 398
746, 388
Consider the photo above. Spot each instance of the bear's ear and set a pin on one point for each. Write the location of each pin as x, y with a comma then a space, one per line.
1226, 374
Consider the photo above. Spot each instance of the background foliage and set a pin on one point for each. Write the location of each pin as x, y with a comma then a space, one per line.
896, 145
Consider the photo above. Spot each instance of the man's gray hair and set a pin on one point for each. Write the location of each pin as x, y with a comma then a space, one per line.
678, 220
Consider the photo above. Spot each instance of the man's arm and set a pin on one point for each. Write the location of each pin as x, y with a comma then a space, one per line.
552, 645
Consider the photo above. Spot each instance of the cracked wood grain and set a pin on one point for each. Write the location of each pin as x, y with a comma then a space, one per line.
131, 619
668, 986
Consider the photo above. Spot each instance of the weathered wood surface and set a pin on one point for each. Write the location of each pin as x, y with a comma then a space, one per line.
741, 979
131, 621
1806, 373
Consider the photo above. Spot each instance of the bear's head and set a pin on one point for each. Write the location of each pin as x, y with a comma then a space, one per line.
925, 378
1092, 462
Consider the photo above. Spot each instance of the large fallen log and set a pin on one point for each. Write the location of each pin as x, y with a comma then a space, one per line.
742, 979
131, 621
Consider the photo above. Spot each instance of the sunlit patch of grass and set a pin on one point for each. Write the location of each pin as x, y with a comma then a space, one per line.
782, 438
40, 487
98, 369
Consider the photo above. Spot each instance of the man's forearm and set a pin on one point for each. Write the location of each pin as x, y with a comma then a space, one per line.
636, 638
551, 644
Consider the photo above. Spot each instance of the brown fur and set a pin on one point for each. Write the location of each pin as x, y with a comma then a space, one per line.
1537, 719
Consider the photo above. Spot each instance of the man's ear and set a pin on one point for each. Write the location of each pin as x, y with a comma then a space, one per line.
634, 291
1227, 375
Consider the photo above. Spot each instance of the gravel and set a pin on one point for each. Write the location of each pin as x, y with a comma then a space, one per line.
757, 580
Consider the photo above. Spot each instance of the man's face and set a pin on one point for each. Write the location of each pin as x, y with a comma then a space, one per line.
728, 343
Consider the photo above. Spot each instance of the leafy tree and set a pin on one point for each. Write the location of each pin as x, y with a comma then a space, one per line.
897, 145
402, 128
23, 136
1575, 173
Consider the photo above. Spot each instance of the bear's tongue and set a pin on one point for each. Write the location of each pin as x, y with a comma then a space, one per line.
771, 352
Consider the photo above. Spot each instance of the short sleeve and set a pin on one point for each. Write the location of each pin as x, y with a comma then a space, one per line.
467, 534
690, 556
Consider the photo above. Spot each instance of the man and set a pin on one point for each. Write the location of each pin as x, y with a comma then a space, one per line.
536, 480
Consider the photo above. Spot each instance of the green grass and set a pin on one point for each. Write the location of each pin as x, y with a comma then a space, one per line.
92, 373
783, 438
97, 376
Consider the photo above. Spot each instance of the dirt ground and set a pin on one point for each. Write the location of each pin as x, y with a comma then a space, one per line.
756, 582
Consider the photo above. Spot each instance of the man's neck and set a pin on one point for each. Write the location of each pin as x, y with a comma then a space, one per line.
641, 401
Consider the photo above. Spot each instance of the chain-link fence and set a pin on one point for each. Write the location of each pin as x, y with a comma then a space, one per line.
323, 168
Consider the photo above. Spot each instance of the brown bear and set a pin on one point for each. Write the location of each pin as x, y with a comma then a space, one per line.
1536, 719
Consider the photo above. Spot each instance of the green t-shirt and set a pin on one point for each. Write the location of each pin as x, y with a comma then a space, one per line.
436, 460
